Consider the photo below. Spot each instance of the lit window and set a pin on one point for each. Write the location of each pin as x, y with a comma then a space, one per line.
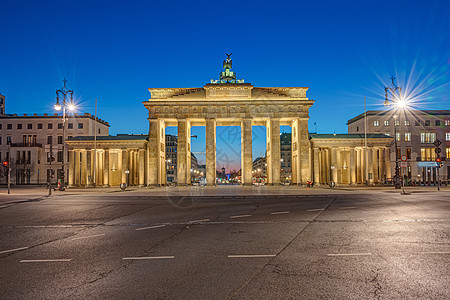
386, 123
397, 122
447, 136
427, 154
376, 123
397, 136
427, 137
407, 136
447, 122
408, 153
447, 151
406, 122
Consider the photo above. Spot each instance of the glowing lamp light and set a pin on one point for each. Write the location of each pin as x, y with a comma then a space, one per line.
58, 106
401, 104
71, 107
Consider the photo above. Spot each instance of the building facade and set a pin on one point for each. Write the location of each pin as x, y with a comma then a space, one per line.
415, 132
26, 140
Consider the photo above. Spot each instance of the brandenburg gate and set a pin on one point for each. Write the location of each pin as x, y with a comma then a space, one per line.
229, 102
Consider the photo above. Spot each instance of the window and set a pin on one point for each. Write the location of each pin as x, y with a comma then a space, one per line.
437, 123
417, 123
8, 140
60, 156
80, 125
40, 126
357, 129
406, 122
397, 136
1, 126
70, 126
408, 137
447, 152
60, 125
50, 126
408, 153
427, 123
447, 123
60, 141
399, 152
376, 123
397, 122
427, 154
49, 139
386, 123
427, 137
447, 136
294, 131
9, 126
19, 126
30, 126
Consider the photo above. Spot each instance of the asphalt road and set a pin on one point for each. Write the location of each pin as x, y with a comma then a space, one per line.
312, 244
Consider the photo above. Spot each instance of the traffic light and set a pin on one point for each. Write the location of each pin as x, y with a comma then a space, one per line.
439, 162
5, 164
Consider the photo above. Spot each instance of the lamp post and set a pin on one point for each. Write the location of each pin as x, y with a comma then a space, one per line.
399, 103
63, 93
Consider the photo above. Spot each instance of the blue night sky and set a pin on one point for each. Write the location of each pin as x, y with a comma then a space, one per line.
114, 50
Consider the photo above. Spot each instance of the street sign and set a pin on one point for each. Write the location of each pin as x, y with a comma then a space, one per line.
404, 157
437, 143
403, 164
427, 164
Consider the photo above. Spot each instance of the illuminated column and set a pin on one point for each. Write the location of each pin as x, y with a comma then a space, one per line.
184, 152
387, 160
333, 165
375, 165
71, 167
353, 167
381, 165
83, 180
141, 167
89, 168
316, 167
370, 164
106, 168
157, 152
339, 169
77, 168
210, 152
273, 156
246, 151
124, 165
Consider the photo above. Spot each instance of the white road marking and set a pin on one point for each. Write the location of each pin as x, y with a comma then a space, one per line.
279, 212
240, 216
315, 209
251, 255
44, 260
348, 207
198, 221
151, 227
87, 237
349, 254
435, 252
148, 257
5, 206
12, 250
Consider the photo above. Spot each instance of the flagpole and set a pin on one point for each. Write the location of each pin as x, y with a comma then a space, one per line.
95, 140
365, 143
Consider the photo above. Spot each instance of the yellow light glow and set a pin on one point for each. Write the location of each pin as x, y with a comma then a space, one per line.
71, 107
57, 107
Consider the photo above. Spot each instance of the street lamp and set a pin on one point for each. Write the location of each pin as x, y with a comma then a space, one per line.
64, 93
397, 169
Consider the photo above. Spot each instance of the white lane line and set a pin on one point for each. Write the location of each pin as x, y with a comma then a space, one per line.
199, 221
12, 250
279, 212
435, 252
251, 255
240, 216
151, 227
148, 257
87, 237
348, 207
349, 254
44, 260
315, 209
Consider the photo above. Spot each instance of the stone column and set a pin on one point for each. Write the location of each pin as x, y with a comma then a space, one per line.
316, 167
106, 168
157, 152
71, 167
131, 167
274, 152
381, 166
89, 167
358, 166
246, 152
375, 166
124, 165
370, 165
353, 167
77, 168
83, 180
210, 152
333, 165
387, 160
141, 167
339, 168
99, 168
183, 152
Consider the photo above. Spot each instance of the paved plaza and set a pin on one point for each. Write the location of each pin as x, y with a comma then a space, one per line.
226, 242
